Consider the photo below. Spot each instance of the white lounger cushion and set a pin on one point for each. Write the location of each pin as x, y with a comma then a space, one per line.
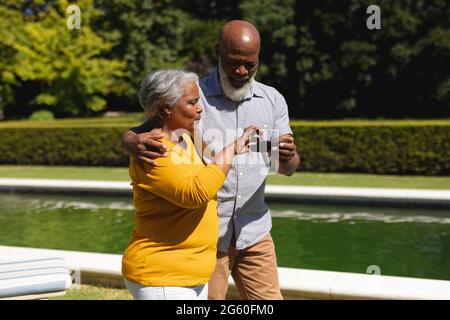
33, 276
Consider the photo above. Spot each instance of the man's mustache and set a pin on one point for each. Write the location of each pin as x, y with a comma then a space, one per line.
240, 79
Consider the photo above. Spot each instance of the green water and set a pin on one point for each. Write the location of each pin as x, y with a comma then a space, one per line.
402, 242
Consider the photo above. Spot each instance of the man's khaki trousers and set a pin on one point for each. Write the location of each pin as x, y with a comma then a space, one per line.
254, 271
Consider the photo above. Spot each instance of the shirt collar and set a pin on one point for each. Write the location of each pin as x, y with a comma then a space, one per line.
213, 87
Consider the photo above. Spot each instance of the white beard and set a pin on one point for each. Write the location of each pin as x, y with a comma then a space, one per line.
232, 93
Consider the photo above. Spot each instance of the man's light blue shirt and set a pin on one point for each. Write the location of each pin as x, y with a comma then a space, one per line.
241, 202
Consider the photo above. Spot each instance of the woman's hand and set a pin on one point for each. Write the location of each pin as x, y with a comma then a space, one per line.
241, 144
225, 157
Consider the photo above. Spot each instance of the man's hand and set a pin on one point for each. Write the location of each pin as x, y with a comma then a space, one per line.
287, 148
289, 159
145, 146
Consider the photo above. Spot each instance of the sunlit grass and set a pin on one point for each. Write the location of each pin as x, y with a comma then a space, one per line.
91, 292
299, 178
136, 118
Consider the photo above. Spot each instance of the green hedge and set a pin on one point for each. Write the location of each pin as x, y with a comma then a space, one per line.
62, 146
397, 148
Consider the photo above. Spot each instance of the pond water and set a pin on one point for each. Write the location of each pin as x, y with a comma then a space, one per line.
401, 242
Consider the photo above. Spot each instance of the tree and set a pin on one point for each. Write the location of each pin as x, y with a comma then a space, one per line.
65, 67
319, 54
149, 35
329, 65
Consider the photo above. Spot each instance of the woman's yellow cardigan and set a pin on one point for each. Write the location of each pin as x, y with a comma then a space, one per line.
175, 237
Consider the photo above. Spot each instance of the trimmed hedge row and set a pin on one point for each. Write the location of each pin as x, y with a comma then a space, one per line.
62, 146
423, 150
384, 149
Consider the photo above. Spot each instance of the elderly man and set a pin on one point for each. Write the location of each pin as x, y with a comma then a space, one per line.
233, 100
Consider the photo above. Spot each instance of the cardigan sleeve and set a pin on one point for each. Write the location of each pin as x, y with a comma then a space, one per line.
174, 182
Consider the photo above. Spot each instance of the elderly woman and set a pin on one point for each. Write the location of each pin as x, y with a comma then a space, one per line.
172, 252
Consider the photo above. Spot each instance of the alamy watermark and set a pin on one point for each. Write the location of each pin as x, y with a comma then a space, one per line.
75, 275
374, 20
73, 21
373, 269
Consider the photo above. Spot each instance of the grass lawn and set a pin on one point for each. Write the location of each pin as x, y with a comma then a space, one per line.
133, 119
299, 178
91, 292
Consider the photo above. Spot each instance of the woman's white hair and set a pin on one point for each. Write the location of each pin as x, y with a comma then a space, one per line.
162, 89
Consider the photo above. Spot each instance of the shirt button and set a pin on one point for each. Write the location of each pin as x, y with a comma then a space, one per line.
239, 197
240, 173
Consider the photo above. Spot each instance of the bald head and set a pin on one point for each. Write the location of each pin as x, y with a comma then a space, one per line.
239, 35
238, 52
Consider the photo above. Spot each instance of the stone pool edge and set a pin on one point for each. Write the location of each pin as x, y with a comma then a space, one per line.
101, 268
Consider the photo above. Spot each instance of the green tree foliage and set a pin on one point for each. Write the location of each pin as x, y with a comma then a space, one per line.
322, 56
319, 54
65, 66
9, 21
155, 35
149, 36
